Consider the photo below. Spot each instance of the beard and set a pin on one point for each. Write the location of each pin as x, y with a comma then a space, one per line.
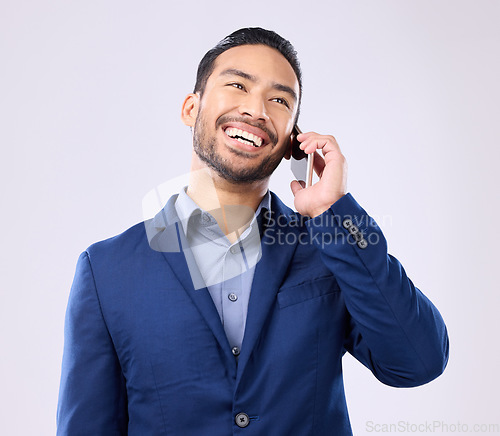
205, 147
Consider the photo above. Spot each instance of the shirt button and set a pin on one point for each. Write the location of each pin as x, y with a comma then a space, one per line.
242, 420
233, 249
236, 352
232, 296
205, 218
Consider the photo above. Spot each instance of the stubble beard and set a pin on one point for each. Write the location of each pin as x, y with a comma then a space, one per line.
206, 149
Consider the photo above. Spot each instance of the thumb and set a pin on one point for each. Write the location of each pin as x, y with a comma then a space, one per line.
297, 186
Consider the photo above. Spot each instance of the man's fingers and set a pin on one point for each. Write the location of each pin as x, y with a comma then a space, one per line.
305, 135
316, 142
297, 186
318, 164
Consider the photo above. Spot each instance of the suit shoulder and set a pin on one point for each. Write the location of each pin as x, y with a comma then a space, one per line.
131, 240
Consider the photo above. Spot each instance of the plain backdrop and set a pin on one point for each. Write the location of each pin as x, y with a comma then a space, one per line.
90, 98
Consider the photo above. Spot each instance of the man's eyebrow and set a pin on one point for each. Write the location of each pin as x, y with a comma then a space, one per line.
277, 86
236, 72
284, 88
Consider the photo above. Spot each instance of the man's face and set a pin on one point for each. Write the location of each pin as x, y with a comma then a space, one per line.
246, 114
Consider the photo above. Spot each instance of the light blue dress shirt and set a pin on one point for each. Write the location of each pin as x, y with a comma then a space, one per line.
226, 269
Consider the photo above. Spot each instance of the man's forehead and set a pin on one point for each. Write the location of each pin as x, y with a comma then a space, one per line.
259, 61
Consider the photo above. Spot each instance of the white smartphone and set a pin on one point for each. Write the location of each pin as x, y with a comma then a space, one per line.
301, 163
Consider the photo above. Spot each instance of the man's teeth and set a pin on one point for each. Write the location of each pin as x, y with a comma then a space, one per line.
254, 140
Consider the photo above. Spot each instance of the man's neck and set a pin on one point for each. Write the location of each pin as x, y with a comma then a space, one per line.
232, 205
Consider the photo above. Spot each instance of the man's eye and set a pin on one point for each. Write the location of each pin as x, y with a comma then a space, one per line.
237, 85
281, 101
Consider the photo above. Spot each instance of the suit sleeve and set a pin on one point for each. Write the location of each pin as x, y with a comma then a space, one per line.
394, 329
92, 395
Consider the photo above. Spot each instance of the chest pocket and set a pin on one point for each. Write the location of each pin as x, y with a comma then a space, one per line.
290, 295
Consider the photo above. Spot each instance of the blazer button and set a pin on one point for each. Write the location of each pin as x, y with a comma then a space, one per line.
347, 223
235, 351
353, 230
362, 243
242, 420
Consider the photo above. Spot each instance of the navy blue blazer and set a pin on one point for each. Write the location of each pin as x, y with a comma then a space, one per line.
146, 354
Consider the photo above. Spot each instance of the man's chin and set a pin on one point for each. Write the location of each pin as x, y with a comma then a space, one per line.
237, 166
234, 151
240, 176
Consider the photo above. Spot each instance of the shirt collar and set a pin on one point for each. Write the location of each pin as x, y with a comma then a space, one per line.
190, 213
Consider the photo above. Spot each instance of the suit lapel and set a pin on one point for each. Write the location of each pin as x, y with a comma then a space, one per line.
269, 274
165, 234
168, 237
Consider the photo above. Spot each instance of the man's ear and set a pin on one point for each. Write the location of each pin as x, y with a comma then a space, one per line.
190, 109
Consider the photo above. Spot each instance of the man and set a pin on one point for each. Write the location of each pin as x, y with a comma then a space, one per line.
209, 320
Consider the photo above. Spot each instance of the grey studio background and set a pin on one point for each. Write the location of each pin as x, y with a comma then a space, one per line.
90, 98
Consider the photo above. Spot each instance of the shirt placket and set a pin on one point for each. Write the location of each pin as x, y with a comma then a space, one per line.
231, 290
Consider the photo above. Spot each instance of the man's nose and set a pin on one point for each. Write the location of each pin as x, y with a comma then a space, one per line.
255, 107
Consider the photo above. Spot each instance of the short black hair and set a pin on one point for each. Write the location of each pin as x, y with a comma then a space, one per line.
248, 36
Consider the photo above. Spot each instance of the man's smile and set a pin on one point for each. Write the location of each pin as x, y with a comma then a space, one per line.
246, 134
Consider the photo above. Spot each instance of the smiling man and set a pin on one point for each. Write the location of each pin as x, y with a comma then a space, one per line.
229, 313
243, 114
